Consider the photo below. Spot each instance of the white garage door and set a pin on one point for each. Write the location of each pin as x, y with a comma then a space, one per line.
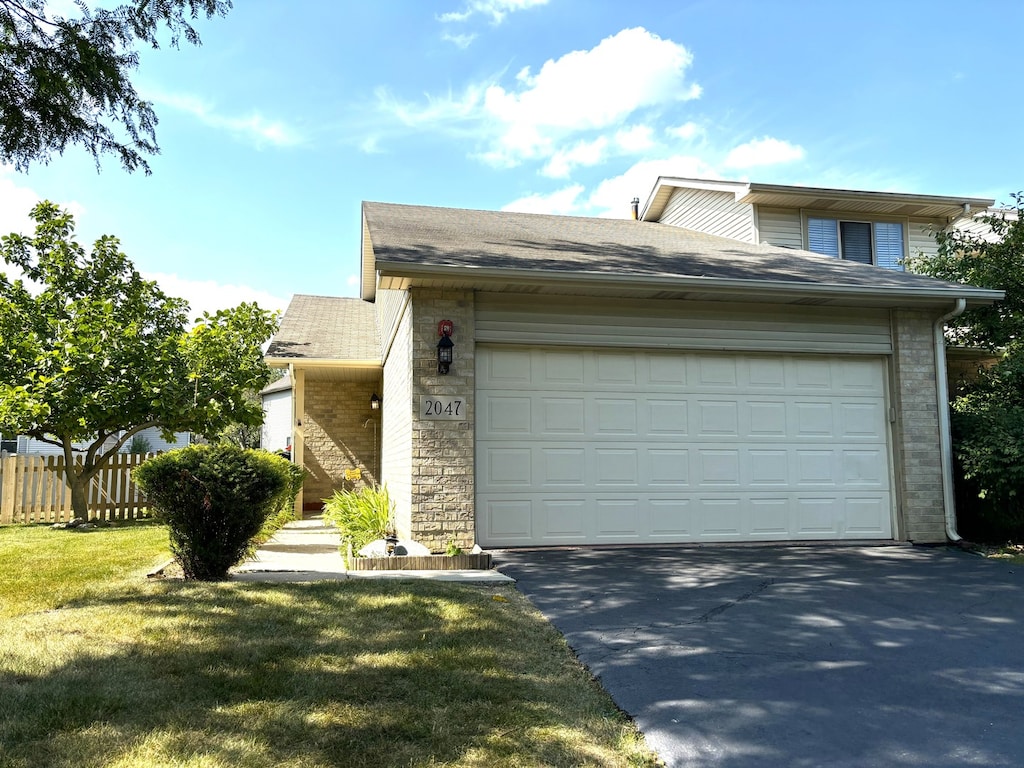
601, 447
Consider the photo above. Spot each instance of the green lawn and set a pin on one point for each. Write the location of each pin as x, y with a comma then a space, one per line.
100, 667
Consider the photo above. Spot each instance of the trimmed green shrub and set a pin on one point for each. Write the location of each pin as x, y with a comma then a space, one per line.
214, 499
361, 516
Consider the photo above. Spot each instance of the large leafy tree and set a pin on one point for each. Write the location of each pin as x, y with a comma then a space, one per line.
93, 353
66, 79
988, 408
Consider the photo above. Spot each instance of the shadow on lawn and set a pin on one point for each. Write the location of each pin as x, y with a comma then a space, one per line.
349, 673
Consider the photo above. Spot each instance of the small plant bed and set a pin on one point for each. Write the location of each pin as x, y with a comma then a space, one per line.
466, 562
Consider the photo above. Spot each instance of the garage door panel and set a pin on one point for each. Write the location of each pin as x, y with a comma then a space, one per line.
646, 446
561, 416
667, 467
670, 519
563, 519
505, 415
615, 416
617, 519
617, 467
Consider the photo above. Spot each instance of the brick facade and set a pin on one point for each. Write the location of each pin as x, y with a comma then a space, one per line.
442, 500
916, 431
341, 433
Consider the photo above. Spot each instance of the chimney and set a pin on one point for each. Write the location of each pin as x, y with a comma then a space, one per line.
635, 205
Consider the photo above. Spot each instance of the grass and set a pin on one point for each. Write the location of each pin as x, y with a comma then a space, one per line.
101, 667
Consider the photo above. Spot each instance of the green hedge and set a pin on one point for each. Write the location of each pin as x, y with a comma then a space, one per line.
215, 499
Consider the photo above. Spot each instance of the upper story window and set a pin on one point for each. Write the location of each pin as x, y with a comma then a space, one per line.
869, 242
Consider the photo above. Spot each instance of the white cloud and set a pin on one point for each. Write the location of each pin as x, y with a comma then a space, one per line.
558, 113
766, 151
209, 295
460, 41
563, 201
595, 89
15, 203
686, 131
497, 10
612, 196
635, 139
253, 127
584, 153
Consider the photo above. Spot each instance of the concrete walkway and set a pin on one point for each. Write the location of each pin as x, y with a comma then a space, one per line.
310, 550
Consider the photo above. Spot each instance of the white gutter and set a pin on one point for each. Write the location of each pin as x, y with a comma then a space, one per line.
945, 436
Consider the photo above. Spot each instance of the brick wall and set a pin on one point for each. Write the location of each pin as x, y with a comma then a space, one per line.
916, 432
443, 488
335, 436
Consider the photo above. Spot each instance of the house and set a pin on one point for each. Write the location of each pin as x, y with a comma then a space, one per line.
276, 432
22, 444
551, 380
879, 228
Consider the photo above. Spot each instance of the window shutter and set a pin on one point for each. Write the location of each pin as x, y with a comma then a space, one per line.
889, 245
823, 236
856, 236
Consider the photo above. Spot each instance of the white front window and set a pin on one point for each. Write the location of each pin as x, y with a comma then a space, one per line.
869, 242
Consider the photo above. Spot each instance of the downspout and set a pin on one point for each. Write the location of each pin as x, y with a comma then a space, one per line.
945, 434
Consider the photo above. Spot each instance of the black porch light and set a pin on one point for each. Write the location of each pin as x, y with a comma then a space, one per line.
374, 402
445, 349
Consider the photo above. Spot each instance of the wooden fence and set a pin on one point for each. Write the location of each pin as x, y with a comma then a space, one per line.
32, 490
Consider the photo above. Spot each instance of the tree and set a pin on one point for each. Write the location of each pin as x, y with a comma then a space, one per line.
66, 80
988, 409
95, 354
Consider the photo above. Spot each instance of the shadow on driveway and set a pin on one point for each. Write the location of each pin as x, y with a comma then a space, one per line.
797, 656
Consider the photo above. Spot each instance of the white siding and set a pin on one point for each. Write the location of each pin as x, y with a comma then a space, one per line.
710, 211
780, 226
921, 237
389, 309
276, 432
680, 325
396, 424
29, 445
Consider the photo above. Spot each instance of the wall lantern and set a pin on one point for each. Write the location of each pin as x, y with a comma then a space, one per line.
374, 402
445, 346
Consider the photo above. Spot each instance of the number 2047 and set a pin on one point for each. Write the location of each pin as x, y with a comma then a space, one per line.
446, 408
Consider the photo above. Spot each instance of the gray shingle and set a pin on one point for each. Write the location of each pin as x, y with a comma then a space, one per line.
469, 239
327, 328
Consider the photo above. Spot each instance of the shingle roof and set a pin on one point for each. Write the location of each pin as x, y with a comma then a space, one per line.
419, 236
327, 328
282, 384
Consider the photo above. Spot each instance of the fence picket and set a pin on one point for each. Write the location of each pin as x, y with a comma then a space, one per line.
33, 490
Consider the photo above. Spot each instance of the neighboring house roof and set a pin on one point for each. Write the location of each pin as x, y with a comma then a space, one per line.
819, 199
327, 331
282, 384
409, 245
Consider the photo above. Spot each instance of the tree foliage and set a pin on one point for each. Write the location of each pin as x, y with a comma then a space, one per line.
988, 408
66, 79
94, 353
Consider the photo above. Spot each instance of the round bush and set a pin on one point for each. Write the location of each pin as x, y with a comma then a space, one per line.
214, 499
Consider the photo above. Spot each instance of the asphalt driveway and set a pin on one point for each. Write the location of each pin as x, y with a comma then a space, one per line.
797, 656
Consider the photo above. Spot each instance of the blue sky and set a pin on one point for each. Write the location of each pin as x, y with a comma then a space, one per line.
291, 114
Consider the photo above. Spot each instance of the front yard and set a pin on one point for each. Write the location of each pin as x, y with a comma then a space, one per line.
101, 667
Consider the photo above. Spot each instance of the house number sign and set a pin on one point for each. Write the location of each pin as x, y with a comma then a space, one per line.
443, 407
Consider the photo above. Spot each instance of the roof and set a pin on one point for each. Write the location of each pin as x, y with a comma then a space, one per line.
326, 330
819, 199
407, 245
281, 384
